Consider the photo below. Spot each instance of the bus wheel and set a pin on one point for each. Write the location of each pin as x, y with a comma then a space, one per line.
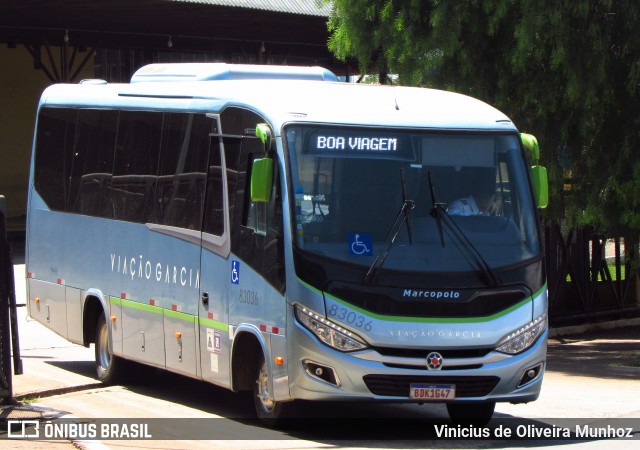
108, 367
471, 413
269, 411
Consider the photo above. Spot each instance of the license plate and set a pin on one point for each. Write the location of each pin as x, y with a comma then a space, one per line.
434, 392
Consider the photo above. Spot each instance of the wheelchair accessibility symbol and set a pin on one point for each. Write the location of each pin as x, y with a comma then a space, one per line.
235, 272
360, 244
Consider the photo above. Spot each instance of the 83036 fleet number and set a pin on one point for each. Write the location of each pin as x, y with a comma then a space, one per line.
350, 317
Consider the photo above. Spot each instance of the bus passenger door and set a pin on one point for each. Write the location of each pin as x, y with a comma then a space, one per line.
213, 318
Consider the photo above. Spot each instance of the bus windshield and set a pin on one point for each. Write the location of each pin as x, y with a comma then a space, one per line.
357, 188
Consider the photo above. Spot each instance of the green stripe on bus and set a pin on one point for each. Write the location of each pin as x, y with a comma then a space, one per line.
179, 315
495, 316
170, 313
209, 323
308, 286
139, 306
540, 291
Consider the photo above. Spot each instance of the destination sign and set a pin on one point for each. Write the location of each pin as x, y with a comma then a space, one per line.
357, 143
354, 143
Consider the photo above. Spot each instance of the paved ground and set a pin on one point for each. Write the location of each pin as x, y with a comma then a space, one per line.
54, 366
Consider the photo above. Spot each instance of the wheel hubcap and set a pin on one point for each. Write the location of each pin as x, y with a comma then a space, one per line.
263, 389
103, 348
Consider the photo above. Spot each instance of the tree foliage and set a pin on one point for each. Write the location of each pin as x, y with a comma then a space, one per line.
567, 71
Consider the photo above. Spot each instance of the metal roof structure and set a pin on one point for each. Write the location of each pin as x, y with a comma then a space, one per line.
290, 32
306, 7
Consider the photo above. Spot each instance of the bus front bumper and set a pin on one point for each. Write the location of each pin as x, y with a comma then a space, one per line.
367, 375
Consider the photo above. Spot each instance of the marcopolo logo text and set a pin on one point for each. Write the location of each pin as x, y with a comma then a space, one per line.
437, 295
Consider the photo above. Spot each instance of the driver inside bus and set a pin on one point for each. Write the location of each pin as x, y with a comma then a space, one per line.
483, 202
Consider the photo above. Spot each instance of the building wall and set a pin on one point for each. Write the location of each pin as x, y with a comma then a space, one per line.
20, 89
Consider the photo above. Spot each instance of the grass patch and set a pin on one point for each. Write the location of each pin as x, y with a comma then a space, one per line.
612, 271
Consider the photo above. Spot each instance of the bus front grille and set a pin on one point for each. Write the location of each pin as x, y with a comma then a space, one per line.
398, 385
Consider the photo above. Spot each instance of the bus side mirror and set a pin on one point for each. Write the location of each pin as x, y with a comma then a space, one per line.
261, 180
540, 185
530, 142
263, 132
538, 173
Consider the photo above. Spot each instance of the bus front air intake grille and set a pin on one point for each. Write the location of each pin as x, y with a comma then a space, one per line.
398, 385
423, 353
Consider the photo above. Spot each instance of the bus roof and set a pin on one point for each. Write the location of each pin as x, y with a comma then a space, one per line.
288, 98
223, 71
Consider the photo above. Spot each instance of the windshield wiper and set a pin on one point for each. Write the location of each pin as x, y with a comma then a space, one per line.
439, 212
401, 218
435, 205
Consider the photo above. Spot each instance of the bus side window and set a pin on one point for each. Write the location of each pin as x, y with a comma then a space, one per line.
261, 222
180, 189
136, 165
92, 163
54, 148
255, 213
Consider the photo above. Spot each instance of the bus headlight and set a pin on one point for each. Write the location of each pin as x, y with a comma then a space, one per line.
523, 338
328, 332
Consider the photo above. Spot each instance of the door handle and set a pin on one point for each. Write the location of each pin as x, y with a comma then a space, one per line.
205, 298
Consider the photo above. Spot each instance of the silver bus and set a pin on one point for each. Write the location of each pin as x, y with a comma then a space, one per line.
271, 229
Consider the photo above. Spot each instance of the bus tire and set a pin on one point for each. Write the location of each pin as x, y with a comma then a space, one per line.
269, 412
478, 414
109, 368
